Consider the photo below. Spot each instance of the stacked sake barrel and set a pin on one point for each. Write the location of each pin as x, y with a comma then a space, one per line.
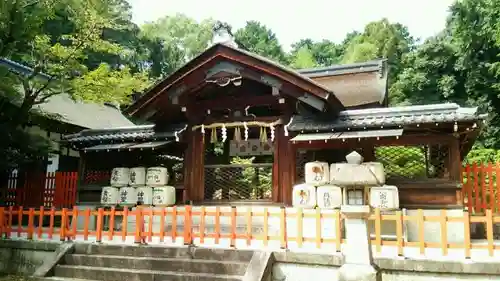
316, 191
111, 195
324, 184
162, 194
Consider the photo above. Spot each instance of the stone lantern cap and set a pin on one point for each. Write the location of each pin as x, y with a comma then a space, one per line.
354, 158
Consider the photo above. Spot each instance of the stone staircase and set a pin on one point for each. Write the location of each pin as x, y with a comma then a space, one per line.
146, 263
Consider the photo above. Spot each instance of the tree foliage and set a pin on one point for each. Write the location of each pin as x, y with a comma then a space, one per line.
259, 39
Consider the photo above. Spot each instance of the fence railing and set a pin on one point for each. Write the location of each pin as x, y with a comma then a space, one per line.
286, 228
480, 187
56, 189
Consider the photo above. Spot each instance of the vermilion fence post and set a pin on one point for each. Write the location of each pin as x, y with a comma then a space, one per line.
187, 225
64, 223
100, 217
31, 223
139, 225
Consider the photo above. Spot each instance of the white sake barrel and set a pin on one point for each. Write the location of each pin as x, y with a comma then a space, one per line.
329, 196
385, 197
120, 177
304, 195
128, 196
157, 176
377, 170
164, 196
110, 196
145, 195
317, 173
356, 174
137, 176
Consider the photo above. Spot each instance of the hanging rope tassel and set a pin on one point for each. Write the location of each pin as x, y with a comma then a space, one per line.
224, 133
213, 137
263, 138
237, 135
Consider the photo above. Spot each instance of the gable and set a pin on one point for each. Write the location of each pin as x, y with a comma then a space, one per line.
230, 61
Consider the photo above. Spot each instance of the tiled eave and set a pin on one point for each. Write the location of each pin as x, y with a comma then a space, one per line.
143, 133
388, 117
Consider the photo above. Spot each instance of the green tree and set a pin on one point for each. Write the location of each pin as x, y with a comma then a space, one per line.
430, 75
380, 39
63, 57
325, 52
475, 31
258, 39
303, 58
173, 40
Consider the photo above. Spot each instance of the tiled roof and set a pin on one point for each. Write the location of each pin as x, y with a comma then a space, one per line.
389, 117
84, 114
65, 109
143, 132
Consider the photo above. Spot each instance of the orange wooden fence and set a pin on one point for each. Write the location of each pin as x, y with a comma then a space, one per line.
480, 187
62, 225
56, 189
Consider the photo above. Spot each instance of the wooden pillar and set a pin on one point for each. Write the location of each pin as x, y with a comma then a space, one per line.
283, 167
194, 173
454, 166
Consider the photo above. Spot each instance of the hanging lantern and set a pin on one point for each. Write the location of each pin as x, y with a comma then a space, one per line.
224, 133
272, 132
455, 127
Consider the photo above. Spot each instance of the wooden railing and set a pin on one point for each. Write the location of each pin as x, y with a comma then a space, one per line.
291, 228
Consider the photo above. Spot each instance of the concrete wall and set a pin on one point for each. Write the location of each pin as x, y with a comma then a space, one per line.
298, 267
24, 257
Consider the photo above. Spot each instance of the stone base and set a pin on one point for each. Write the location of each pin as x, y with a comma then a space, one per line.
358, 272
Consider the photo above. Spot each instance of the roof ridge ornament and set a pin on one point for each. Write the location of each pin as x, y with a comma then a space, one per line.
222, 34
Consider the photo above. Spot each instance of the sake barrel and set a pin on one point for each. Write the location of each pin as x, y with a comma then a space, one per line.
120, 177
128, 196
385, 197
329, 196
145, 195
157, 176
356, 174
137, 176
304, 195
164, 196
377, 170
317, 173
109, 196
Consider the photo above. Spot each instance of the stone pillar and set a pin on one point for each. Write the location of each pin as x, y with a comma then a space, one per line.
358, 259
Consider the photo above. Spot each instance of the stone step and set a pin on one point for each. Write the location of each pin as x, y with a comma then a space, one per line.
115, 274
58, 278
159, 264
164, 252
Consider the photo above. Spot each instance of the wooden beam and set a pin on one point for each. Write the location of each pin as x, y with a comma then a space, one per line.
240, 102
